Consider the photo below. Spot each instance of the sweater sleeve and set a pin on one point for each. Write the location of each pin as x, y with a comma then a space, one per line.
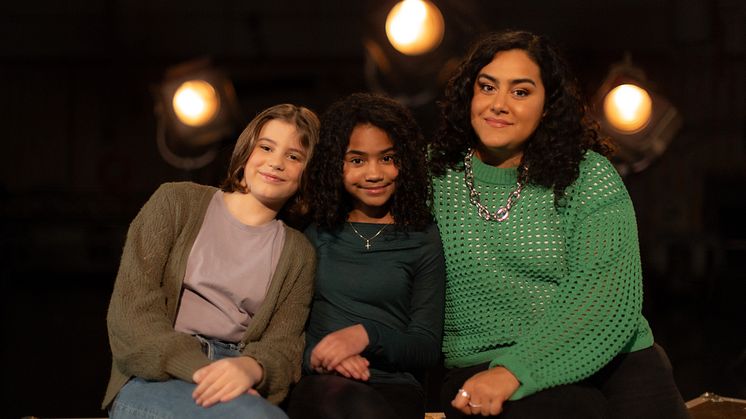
595, 310
417, 346
143, 341
279, 349
311, 234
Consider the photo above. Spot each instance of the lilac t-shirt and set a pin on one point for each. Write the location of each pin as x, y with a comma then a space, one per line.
228, 273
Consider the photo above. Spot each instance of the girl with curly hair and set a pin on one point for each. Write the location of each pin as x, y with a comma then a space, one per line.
377, 313
543, 278
207, 314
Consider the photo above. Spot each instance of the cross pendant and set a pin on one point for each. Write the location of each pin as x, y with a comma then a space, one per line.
367, 244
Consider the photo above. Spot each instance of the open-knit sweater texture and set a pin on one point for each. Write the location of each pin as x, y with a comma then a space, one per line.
554, 292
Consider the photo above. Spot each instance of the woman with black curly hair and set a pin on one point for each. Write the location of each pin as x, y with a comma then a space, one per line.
543, 279
377, 313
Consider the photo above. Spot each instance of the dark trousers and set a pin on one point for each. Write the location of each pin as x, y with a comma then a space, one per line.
637, 385
336, 397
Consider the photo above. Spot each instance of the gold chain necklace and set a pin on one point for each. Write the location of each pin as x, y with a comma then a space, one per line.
367, 239
501, 214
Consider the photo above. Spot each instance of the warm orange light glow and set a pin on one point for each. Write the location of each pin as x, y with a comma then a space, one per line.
414, 27
196, 102
628, 108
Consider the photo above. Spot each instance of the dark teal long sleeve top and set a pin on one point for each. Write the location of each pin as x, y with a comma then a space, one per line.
395, 290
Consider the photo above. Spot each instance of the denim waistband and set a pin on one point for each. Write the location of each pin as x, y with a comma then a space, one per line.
212, 345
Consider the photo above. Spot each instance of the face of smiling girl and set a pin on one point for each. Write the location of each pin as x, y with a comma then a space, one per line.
274, 168
507, 107
370, 174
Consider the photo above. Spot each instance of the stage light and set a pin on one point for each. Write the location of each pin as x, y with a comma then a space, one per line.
409, 53
415, 27
196, 108
196, 103
640, 120
628, 107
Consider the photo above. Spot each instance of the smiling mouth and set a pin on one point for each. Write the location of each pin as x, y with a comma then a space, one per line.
497, 123
270, 178
374, 190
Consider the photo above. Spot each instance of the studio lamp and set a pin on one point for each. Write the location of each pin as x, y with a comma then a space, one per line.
196, 103
641, 121
196, 108
414, 27
412, 47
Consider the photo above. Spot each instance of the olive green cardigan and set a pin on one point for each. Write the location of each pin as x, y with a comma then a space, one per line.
148, 287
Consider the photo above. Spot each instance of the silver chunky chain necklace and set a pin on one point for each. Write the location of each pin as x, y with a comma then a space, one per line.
502, 213
367, 239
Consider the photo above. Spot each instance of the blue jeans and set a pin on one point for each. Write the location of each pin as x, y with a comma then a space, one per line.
172, 399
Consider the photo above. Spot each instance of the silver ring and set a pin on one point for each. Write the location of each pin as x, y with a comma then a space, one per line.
475, 404
464, 393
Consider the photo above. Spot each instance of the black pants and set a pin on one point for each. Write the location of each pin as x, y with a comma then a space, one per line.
335, 397
637, 385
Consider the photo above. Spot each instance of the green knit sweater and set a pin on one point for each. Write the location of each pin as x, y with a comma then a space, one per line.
554, 292
148, 287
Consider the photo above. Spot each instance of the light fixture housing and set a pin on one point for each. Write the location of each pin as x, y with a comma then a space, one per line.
196, 108
645, 123
411, 68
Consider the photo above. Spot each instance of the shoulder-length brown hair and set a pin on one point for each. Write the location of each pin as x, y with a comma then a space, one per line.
306, 123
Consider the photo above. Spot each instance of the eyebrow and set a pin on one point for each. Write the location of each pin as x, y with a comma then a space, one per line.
363, 153
512, 82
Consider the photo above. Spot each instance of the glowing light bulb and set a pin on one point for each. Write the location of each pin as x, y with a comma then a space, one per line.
628, 108
414, 27
196, 103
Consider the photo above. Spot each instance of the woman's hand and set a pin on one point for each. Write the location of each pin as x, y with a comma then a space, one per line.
226, 379
338, 346
485, 392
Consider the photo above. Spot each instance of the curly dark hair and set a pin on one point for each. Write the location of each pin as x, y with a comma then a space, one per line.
329, 201
565, 133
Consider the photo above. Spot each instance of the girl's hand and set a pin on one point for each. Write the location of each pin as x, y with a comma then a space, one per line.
226, 379
339, 345
355, 367
486, 392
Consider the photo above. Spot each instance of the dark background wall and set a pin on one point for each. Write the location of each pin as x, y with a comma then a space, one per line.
79, 155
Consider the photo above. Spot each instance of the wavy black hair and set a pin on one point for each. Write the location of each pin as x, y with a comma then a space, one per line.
329, 201
565, 132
